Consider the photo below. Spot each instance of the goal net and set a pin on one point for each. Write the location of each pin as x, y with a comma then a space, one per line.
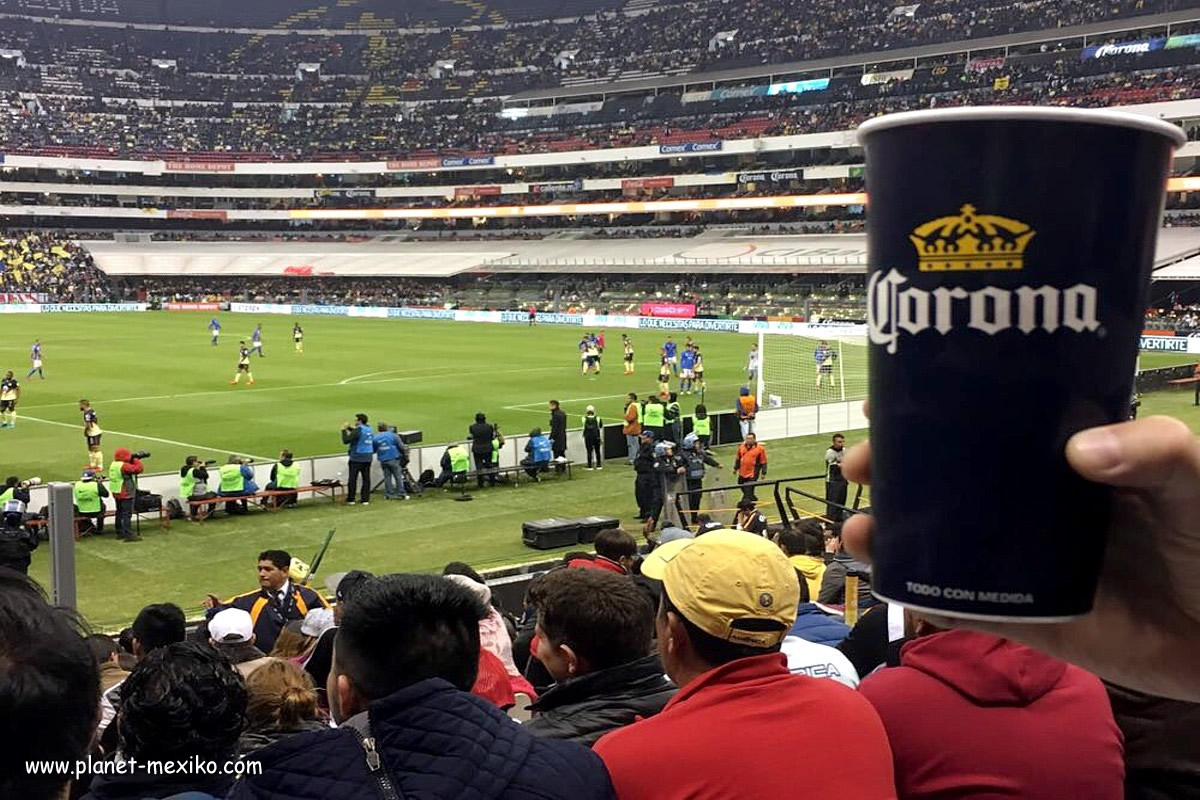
803, 371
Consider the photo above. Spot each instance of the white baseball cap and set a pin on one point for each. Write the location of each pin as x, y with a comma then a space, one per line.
231, 626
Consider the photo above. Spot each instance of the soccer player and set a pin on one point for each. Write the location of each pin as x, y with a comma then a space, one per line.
298, 337
627, 346
10, 393
583, 358
698, 370
669, 350
752, 364
35, 355
243, 365
600, 346
214, 328
824, 356
664, 377
593, 357
92, 433
687, 365
256, 341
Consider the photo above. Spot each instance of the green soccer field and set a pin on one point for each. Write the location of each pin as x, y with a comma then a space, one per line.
158, 385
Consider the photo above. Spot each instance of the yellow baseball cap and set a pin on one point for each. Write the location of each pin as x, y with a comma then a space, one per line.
725, 579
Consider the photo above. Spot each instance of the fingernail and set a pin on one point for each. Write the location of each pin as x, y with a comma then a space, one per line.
1100, 447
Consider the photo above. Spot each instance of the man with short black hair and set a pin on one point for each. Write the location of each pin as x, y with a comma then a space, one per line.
616, 547
405, 659
49, 691
275, 603
594, 634
184, 702
157, 625
483, 435
836, 486
342, 585
728, 600
360, 450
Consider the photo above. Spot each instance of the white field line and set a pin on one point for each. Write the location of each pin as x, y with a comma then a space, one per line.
143, 436
260, 389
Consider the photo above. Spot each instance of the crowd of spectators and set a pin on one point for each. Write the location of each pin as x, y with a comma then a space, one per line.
689, 664
54, 122
45, 263
499, 58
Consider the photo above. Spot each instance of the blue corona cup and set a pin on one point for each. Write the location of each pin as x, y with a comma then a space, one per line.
1010, 251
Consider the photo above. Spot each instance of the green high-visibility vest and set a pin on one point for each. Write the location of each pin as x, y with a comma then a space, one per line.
116, 479
673, 410
460, 459
231, 478
638, 407
287, 477
87, 497
495, 450
6, 495
187, 484
702, 427
654, 415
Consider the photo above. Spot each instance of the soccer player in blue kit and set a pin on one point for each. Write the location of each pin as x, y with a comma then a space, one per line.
35, 356
669, 350
214, 327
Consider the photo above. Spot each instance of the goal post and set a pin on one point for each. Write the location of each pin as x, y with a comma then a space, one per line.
807, 370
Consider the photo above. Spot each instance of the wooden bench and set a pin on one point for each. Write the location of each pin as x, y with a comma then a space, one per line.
1195, 379
164, 519
518, 470
203, 509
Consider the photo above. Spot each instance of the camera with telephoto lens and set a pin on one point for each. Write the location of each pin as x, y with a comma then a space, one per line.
140, 454
208, 462
25, 484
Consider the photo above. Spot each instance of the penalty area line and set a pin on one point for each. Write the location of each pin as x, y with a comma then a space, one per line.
151, 439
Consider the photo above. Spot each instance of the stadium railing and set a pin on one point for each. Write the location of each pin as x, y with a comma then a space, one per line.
784, 492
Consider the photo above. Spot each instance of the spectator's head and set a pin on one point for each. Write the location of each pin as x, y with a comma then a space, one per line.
157, 626
616, 544
589, 620
103, 648
231, 627
399, 630
184, 700
814, 538
293, 642
838, 442
462, 568
746, 505
792, 542
273, 566
361, 418
280, 697
49, 690
726, 595
344, 588
480, 417
705, 523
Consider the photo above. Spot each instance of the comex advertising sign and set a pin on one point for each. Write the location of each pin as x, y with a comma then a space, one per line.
690, 147
1123, 48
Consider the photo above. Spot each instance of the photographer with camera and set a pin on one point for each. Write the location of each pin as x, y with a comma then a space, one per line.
122, 484
486, 441
193, 482
89, 496
360, 442
17, 542
285, 476
237, 480
391, 453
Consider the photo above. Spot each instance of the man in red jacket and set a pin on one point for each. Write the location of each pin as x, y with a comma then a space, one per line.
122, 484
972, 715
740, 719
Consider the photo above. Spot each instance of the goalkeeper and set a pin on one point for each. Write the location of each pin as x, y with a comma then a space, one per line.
824, 356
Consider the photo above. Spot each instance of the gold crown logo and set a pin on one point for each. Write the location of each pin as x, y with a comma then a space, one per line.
971, 241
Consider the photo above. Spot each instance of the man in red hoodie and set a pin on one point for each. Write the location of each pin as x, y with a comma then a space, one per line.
740, 720
972, 715
123, 486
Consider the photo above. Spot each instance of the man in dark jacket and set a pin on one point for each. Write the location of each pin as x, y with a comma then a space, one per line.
647, 486
594, 633
404, 661
183, 702
482, 435
275, 603
558, 433
833, 582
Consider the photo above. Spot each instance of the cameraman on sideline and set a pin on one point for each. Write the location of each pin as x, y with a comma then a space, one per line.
122, 484
193, 483
237, 480
17, 542
360, 441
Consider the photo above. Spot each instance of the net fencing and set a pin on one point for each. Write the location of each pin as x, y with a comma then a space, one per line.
803, 371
